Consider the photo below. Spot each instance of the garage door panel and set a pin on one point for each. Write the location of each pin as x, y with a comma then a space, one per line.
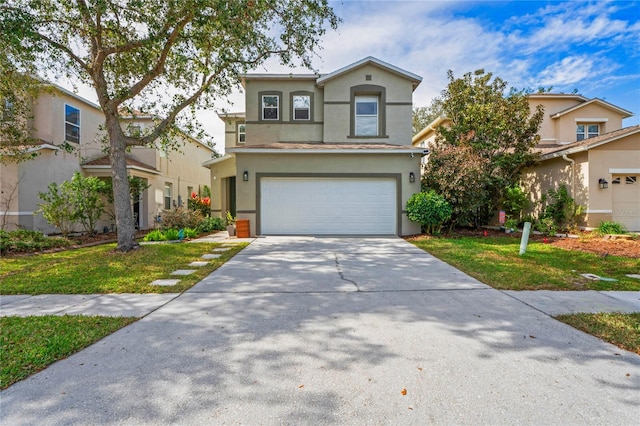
328, 206
626, 201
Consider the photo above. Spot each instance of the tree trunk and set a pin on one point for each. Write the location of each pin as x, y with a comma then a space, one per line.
121, 198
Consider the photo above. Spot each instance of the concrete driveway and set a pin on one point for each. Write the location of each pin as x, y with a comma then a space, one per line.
337, 331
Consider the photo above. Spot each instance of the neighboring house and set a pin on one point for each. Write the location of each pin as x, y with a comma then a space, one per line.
60, 119
583, 146
321, 154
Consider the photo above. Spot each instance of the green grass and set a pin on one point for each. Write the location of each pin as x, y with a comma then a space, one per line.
100, 269
30, 344
622, 330
495, 261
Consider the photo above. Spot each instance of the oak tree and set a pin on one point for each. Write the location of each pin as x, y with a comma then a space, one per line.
166, 58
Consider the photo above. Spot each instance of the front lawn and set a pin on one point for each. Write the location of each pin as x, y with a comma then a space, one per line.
495, 261
622, 330
30, 344
100, 269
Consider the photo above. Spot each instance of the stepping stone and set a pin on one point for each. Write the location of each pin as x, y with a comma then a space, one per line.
165, 282
183, 272
210, 256
198, 264
220, 249
636, 276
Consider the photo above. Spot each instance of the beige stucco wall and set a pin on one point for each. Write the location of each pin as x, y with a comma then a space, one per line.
590, 166
550, 174
48, 113
220, 171
398, 108
334, 164
563, 129
593, 113
181, 168
286, 129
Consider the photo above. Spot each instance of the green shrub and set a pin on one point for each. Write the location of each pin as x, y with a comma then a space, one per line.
155, 235
547, 226
190, 233
58, 208
25, 241
171, 234
180, 218
210, 224
605, 228
515, 200
430, 210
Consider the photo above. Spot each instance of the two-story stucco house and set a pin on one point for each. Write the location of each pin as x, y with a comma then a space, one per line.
322, 154
583, 146
63, 118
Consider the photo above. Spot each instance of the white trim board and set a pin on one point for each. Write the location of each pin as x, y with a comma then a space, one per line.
630, 171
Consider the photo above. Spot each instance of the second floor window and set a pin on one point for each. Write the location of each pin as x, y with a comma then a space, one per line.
168, 188
586, 131
366, 119
71, 124
7, 110
242, 132
270, 107
301, 107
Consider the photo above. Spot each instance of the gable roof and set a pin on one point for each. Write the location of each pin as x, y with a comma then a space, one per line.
623, 112
370, 60
586, 144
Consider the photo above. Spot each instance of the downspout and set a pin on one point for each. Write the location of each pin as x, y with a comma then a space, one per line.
573, 174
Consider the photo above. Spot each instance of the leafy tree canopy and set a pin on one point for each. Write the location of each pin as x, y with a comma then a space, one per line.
159, 57
423, 116
495, 130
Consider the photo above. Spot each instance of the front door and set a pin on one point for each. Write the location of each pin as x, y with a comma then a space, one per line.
231, 195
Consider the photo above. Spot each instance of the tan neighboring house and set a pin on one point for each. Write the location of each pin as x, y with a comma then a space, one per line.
583, 146
322, 154
61, 117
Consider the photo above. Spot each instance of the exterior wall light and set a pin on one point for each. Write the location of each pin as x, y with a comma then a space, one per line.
412, 177
602, 183
245, 176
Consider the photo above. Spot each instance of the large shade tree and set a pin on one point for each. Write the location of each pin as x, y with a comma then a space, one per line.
160, 57
484, 148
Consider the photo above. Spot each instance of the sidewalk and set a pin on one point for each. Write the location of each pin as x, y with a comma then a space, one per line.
113, 305
552, 303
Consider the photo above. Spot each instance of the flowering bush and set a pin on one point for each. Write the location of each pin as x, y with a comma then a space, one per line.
203, 205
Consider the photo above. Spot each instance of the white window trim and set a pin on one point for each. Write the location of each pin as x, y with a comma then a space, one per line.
277, 108
367, 98
167, 185
242, 133
591, 120
73, 124
308, 109
625, 171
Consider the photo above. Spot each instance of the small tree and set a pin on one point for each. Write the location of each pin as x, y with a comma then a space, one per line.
456, 173
430, 210
514, 202
88, 201
494, 127
58, 208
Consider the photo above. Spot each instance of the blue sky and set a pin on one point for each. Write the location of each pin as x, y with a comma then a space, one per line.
592, 47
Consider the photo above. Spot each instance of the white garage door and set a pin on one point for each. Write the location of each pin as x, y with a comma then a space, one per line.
317, 206
626, 201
